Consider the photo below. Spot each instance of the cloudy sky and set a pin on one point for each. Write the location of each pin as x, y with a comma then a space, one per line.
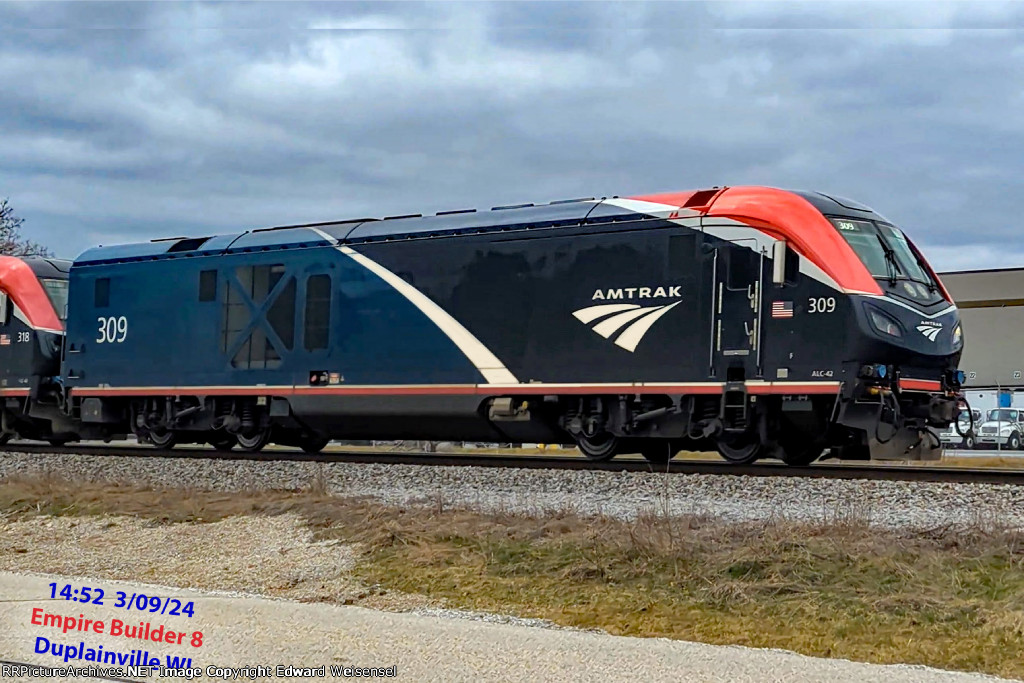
129, 121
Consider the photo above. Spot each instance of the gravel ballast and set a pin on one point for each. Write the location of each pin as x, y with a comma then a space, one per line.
616, 494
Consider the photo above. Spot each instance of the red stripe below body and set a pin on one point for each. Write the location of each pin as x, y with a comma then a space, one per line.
463, 389
920, 385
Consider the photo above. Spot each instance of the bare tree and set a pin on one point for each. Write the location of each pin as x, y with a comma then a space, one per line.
11, 241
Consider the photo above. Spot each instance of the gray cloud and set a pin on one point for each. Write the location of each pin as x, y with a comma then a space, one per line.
128, 121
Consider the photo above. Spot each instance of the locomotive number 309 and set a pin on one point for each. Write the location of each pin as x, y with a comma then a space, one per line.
825, 304
112, 330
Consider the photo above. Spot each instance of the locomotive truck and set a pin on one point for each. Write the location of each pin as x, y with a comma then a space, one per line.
755, 321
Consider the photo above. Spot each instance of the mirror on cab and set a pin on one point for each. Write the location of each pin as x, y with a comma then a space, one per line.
785, 264
779, 263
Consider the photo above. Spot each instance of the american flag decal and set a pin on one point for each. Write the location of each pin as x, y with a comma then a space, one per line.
5, 340
782, 309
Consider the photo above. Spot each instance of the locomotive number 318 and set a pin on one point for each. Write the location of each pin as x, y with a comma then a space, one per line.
112, 330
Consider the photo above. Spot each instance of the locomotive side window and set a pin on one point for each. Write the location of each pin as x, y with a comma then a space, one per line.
5, 308
101, 294
318, 312
208, 285
57, 290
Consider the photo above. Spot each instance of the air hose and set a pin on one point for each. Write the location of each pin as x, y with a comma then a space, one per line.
895, 417
962, 401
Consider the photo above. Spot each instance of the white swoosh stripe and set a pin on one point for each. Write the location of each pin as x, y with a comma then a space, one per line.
586, 315
635, 332
926, 316
608, 327
493, 370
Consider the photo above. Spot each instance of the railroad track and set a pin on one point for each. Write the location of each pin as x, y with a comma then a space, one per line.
874, 471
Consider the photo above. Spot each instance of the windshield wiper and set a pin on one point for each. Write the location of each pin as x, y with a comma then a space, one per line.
892, 266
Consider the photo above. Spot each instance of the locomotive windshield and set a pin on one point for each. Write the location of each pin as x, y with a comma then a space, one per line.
57, 290
887, 255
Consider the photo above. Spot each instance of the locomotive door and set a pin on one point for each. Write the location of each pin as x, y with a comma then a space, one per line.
737, 283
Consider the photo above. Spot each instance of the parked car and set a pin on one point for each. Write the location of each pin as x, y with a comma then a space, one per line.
1002, 427
962, 434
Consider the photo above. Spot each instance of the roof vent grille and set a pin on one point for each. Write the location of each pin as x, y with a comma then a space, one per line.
701, 198
188, 244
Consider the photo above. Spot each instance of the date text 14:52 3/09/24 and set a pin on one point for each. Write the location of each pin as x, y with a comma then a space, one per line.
139, 602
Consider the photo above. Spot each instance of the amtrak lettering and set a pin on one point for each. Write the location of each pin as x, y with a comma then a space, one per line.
636, 293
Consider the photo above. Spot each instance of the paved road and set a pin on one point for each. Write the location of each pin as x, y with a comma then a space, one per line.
964, 453
247, 631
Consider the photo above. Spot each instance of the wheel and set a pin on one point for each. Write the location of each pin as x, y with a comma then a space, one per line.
4, 438
255, 442
163, 441
969, 442
741, 449
658, 451
224, 442
313, 444
1014, 442
600, 447
802, 455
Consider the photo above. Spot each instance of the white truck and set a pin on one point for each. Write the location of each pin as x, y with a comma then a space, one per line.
962, 434
1002, 428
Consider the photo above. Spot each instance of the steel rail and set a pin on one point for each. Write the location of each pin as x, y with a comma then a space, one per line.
820, 470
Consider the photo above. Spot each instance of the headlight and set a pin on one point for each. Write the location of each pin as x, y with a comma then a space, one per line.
1005, 430
884, 323
958, 336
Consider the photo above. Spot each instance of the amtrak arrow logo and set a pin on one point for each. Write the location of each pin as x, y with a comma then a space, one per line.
931, 331
630, 321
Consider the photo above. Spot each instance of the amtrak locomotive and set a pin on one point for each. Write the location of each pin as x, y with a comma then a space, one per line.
755, 321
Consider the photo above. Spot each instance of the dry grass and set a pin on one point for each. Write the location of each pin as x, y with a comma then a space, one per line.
945, 597
1006, 462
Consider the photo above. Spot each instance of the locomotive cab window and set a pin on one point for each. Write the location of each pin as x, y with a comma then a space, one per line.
5, 308
57, 291
890, 258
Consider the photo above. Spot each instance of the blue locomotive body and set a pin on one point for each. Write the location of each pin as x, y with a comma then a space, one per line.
248, 315
750, 320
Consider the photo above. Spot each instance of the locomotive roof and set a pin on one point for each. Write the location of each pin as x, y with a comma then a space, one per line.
567, 213
56, 269
521, 216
